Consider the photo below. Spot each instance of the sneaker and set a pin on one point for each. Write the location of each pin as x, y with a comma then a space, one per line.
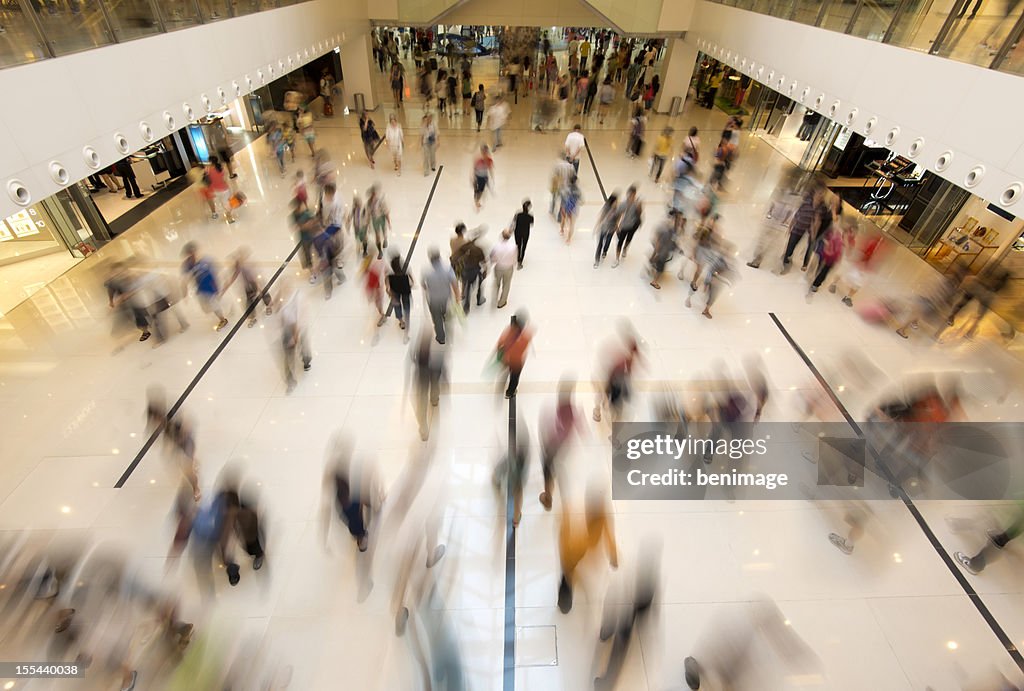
145, 336
435, 556
965, 561
615, 263
252, 322
691, 672
841, 543
257, 563
545, 500
363, 543
383, 318
832, 288
215, 217
753, 265
306, 366
848, 301
400, 621
269, 310
597, 264
130, 686
221, 324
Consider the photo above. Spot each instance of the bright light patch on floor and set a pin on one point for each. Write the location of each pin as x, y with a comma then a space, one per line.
952, 645
840, 388
131, 435
115, 451
65, 509
897, 558
9, 685
152, 482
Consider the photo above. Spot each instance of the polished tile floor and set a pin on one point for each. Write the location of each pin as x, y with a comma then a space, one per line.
889, 616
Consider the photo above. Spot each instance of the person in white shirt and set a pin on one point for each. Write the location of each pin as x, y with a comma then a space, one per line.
429, 142
559, 179
574, 144
396, 142
497, 116
503, 259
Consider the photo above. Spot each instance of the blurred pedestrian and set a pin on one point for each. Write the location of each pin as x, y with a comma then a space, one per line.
396, 142
380, 218
483, 174
241, 268
428, 139
522, 222
201, 273
358, 220
607, 226
503, 260
578, 537
471, 266
572, 198
557, 427
511, 350
630, 217
575, 142
294, 341
439, 285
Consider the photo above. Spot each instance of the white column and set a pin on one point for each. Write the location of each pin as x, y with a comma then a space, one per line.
358, 69
676, 71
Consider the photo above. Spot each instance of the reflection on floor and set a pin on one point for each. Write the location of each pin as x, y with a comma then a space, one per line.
889, 616
22, 279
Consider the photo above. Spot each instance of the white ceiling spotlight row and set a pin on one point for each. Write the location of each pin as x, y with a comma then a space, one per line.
767, 76
20, 194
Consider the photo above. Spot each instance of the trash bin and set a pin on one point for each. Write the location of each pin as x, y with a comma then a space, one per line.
360, 102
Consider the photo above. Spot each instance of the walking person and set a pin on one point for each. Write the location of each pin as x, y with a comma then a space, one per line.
637, 129
804, 223
578, 537
503, 258
592, 88
471, 266
397, 83
380, 218
559, 179
607, 226
428, 372
294, 341
307, 132
522, 222
556, 431
479, 102
399, 285
201, 273
242, 269
358, 220
630, 217
370, 137
428, 139
662, 150
574, 145
605, 97
511, 350
439, 285
123, 169
441, 92
467, 92
997, 540
483, 174
497, 116
830, 251
396, 142
571, 200
216, 173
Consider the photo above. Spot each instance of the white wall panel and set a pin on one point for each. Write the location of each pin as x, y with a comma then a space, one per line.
86, 99
949, 105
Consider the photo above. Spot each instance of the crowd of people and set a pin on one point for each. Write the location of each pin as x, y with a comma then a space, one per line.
686, 237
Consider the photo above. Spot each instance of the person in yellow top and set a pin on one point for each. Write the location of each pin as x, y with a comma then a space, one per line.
662, 150
713, 86
576, 538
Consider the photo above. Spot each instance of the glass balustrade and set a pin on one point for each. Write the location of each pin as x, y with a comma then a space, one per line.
33, 30
987, 33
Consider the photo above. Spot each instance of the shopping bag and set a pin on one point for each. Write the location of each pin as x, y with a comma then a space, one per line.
237, 200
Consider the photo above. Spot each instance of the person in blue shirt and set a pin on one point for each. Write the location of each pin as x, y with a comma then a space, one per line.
200, 271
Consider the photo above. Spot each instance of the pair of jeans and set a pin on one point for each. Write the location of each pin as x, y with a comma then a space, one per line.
625, 237
523, 237
471, 275
604, 241
437, 316
657, 166
402, 305
823, 270
794, 240
131, 187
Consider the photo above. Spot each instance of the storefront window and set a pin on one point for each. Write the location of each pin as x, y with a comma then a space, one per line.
132, 18
214, 10
73, 26
26, 234
20, 42
178, 14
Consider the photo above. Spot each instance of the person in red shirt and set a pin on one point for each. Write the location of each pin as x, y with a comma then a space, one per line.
511, 350
556, 430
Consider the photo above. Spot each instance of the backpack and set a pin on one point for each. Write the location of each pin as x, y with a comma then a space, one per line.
209, 521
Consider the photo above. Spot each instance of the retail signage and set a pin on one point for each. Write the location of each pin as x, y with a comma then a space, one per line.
195, 133
22, 224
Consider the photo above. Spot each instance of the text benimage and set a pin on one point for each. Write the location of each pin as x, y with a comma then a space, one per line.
732, 478
667, 445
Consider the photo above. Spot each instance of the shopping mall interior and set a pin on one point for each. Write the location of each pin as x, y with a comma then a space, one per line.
275, 421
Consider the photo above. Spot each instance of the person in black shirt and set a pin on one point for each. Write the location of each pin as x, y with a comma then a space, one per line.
399, 286
523, 221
